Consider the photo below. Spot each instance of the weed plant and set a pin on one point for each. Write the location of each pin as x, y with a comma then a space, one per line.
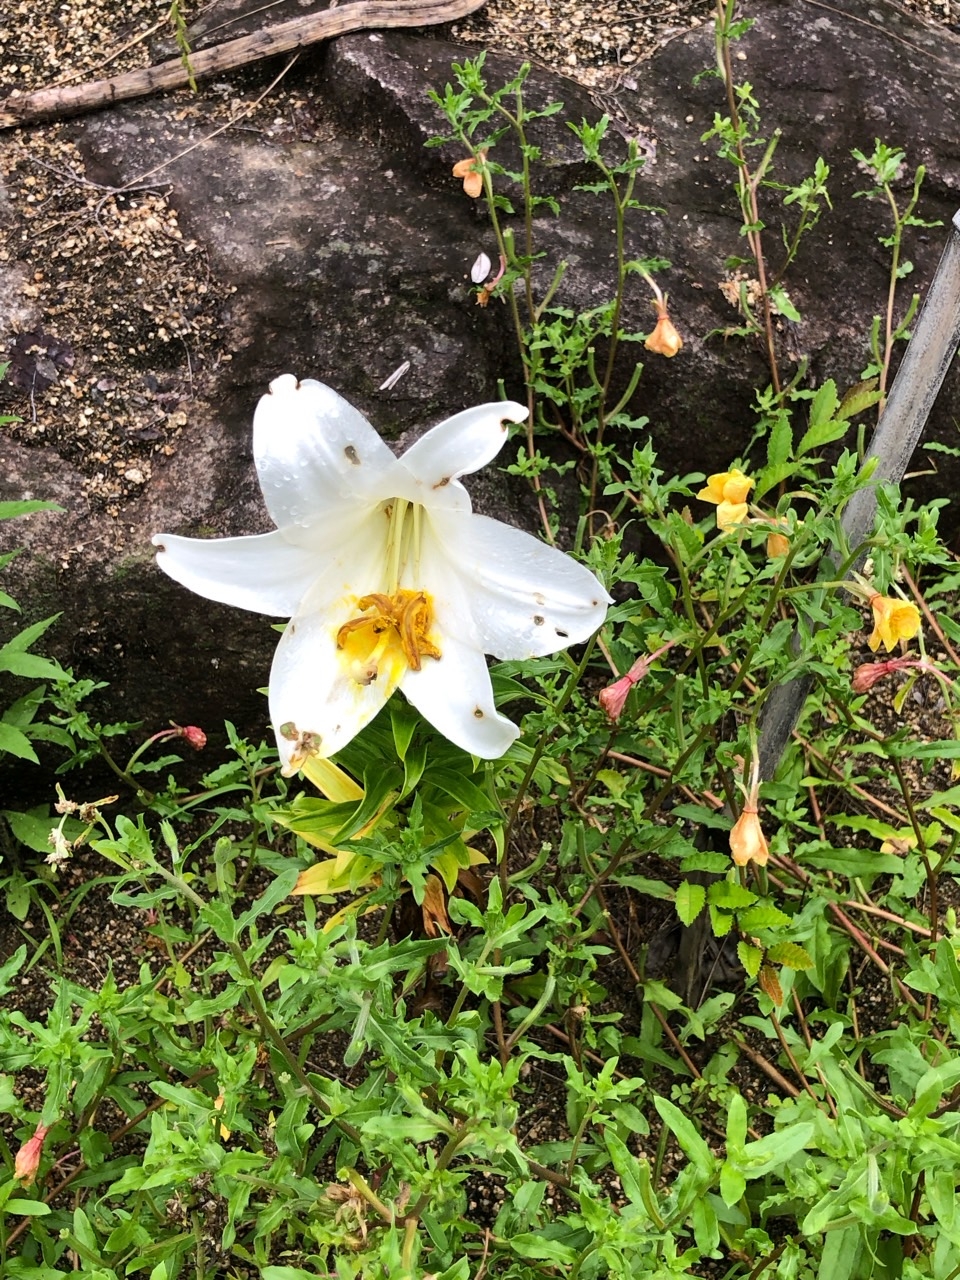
408, 1014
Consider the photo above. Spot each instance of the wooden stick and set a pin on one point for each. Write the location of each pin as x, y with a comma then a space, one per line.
68, 100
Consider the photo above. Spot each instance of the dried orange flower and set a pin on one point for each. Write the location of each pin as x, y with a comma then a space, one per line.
664, 340
747, 841
471, 172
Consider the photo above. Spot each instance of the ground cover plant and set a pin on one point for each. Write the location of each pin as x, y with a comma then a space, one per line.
609, 1002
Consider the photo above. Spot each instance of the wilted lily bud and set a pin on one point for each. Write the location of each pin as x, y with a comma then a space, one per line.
747, 841
27, 1161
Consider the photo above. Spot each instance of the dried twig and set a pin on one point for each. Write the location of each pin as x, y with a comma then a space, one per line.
285, 37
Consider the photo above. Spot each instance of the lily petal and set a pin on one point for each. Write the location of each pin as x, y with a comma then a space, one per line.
312, 698
317, 455
507, 593
456, 696
312, 695
264, 573
458, 446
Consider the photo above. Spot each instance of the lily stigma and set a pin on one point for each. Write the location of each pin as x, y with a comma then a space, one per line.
390, 579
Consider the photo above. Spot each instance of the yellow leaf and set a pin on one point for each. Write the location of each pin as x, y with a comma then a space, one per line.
331, 781
346, 872
352, 908
770, 983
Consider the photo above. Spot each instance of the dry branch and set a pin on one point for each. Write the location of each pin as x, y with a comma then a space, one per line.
68, 100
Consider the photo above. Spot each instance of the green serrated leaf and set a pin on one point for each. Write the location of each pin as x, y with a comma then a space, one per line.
763, 916
689, 901
16, 743
750, 958
859, 397
789, 954
730, 896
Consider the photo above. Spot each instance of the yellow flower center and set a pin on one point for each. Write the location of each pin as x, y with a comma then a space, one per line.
391, 630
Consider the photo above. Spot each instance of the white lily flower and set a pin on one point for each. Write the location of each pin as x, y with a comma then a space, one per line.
389, 578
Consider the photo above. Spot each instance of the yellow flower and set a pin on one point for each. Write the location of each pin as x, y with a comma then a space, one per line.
747, 841
471, 173
730, 514
727, 486
777, 545
893, 620
728, 490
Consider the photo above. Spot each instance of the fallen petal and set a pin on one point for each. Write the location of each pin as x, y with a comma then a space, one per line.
480, 269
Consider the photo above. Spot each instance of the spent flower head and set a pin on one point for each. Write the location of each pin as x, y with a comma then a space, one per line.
614, 698
470, 171
27, 1160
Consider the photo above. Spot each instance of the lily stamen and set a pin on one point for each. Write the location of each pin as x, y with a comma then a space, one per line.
387, 622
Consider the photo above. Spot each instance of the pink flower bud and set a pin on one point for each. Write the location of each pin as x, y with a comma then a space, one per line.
868, 673
27, 1161
192, 736
614, 698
